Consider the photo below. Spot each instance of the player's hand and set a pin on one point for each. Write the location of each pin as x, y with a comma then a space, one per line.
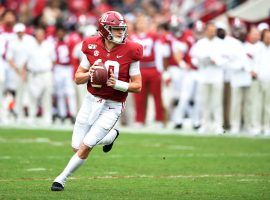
111, 81
166, 77
23, 75
253, 75
93, 68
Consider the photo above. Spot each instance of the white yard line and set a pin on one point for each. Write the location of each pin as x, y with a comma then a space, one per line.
133, 130
36, 169
5, 157
31, 140
162, 156
144, 176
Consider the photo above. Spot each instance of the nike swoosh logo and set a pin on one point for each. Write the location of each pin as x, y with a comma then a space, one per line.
119, 56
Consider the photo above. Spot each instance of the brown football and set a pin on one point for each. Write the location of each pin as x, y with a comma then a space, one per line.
100, 76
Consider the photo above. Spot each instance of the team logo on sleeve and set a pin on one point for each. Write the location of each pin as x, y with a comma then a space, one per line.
92, 46
96, 53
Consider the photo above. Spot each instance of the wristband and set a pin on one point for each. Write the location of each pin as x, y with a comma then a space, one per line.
121, 86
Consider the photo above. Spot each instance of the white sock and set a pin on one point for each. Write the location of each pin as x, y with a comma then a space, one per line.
74, 163
109, 138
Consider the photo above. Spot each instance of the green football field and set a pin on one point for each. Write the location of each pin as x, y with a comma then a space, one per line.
140, 166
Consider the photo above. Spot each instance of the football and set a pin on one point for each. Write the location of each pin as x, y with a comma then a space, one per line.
99, 76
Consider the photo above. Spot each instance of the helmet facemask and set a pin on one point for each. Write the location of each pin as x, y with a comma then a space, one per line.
114, 38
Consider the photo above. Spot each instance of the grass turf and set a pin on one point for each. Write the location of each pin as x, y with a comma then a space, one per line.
140, 166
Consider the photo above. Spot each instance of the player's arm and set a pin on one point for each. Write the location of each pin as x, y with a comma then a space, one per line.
13, 65
83, 72
10, 59
135, 83
82, 75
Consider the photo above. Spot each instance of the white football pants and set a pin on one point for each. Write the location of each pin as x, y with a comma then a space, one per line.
40, 87
64, 88
262, 113
240, 107
95, 120
210, 97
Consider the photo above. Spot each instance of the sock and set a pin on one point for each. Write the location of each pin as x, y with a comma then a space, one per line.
74, 163
109, 138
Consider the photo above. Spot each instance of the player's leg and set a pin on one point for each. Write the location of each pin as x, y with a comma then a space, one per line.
266, 109
185, 96
246, 108
177, 76
2, 83
235, 109
81, 128
196, 115
226, 104
100, 128
141, 100
102, 131
59, 81
204, 94
255, 107
46, 100
217, 106
32, 92
155, 89
70, 92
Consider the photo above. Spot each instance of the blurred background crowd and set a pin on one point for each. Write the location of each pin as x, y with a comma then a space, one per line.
206, 63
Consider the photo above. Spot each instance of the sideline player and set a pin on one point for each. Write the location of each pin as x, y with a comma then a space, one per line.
102, 108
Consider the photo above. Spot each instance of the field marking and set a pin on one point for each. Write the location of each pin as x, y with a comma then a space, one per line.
180, 147
161, 156
145, 130
31, 140
36, 169
5, 157
144, 176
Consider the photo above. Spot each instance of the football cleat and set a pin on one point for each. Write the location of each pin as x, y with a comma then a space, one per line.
107, 148
178, 126
57, 187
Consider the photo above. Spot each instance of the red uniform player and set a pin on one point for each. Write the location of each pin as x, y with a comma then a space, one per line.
151, 77
102, 107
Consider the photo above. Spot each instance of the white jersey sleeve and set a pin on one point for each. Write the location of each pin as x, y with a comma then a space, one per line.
84, 62
134, 68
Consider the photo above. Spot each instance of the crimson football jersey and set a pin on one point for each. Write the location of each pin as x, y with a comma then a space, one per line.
118, 59
147, 40
169, 39
63, 54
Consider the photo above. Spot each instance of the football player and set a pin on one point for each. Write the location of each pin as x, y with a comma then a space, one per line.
63, 74
103, 106
151, 80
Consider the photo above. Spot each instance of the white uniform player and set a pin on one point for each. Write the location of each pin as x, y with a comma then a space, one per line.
2, 76
39, 64
262, 70
63, 78
80, 89
6, 72
102, 107
240, 80
206, 54
16, 56
251, 46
